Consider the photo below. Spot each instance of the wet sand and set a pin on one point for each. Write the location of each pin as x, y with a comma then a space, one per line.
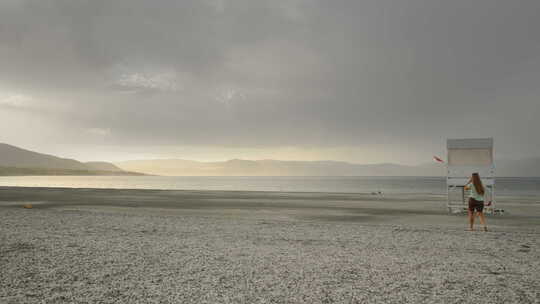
150, 246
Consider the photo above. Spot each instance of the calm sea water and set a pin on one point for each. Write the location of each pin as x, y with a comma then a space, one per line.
428, 185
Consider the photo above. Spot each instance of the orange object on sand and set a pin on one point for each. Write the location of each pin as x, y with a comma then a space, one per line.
27, 206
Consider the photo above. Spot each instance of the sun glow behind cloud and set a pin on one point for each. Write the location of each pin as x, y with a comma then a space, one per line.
361, 155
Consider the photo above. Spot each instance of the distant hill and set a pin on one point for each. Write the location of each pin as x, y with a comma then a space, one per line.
11, 156
17, 161
102, 166
15, 171
239, 167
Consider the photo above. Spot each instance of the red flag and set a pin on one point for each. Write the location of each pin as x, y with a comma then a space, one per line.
438, 159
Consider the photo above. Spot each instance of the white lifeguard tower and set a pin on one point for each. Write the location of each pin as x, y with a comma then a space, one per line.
466, 156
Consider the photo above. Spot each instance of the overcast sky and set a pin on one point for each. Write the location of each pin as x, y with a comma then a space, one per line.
363, 81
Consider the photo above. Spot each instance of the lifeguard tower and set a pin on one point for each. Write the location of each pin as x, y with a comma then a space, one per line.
466, 156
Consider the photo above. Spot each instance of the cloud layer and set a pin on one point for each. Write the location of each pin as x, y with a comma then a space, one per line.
271, 74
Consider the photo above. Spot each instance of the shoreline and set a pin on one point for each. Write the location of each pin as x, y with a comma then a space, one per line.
524, 187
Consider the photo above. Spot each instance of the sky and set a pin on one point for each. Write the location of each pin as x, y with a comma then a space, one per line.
361, 81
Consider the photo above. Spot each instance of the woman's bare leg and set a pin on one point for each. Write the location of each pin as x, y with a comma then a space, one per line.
482, 220
471, 220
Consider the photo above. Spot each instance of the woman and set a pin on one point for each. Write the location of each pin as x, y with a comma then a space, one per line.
476, 200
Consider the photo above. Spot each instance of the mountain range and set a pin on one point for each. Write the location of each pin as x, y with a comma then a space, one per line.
269, 167
239, 167
17, 161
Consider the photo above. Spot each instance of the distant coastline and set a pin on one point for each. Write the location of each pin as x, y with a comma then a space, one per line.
16, 171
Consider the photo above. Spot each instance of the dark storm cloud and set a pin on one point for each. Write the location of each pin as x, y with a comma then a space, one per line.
271, 73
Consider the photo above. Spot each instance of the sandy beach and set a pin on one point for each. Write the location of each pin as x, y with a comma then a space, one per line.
150, 246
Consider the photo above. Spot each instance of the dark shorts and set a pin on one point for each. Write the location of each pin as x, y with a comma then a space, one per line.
475, 205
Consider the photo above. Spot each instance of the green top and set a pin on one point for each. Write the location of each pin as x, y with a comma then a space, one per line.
473, 194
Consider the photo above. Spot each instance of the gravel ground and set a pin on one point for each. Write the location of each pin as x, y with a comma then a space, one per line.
137, 255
